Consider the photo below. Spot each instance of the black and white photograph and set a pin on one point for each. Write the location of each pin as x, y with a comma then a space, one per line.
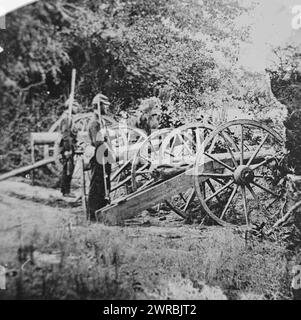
150, 150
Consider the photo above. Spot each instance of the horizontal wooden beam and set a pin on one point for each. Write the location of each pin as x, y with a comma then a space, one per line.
25, 169
42, 138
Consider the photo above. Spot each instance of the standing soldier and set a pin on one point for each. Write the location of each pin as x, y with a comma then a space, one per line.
101, 169
66, 151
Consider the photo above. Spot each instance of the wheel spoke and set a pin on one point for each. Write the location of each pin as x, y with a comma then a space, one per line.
118, 181
173, 143
182, 197
120, 170
229, 202
189, 200
271, 203
230, 151
152, 147
140, 139
146, 159
198, 139
241, 145
257, 150
170, 154
213, 144
185, 144
256, 166
219, 181
146, 185
122, 183
189, 137
254, 195
144, 175
212, 189
142, 169
244, 195
266, 189
218, 161
219, 191
229, 137
176, 210
216, 175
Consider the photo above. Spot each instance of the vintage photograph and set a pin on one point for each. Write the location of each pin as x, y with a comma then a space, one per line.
150, 150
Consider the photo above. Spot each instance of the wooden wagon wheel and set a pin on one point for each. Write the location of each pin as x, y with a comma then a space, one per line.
147, 157
126, 140
237, 164
180, 147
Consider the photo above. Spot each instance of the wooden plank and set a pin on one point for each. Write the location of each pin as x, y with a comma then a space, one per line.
130, 206
26, 169
135, 203
42, 138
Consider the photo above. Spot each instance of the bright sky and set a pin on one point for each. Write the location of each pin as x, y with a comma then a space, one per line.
271, 26
10, 5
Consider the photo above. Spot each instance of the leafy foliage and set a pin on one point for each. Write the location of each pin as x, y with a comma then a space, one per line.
185, 53
286, 85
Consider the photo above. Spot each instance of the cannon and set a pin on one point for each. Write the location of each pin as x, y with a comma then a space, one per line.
224, 173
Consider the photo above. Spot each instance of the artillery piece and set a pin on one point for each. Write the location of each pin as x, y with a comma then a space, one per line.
224, 173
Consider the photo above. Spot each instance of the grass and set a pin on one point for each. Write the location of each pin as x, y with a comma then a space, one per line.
98, 262
63, 257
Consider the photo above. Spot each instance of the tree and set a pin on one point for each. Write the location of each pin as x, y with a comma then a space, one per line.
129, 50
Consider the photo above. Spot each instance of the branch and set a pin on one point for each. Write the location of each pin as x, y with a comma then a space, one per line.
67, 13
32, 86
285, 218
298, 86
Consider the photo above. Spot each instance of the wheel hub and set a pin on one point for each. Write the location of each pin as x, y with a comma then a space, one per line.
243, 175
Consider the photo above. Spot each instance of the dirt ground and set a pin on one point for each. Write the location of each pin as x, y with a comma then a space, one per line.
51, 251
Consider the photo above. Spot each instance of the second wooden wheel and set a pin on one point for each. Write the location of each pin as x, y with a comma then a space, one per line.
147, 157
180, 147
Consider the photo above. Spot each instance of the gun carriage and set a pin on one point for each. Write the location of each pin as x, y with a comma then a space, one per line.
225, 173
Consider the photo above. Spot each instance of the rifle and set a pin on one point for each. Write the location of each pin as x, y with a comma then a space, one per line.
71, 97
101, 150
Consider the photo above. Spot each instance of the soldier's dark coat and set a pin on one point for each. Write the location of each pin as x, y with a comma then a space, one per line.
97, 197
66, 150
